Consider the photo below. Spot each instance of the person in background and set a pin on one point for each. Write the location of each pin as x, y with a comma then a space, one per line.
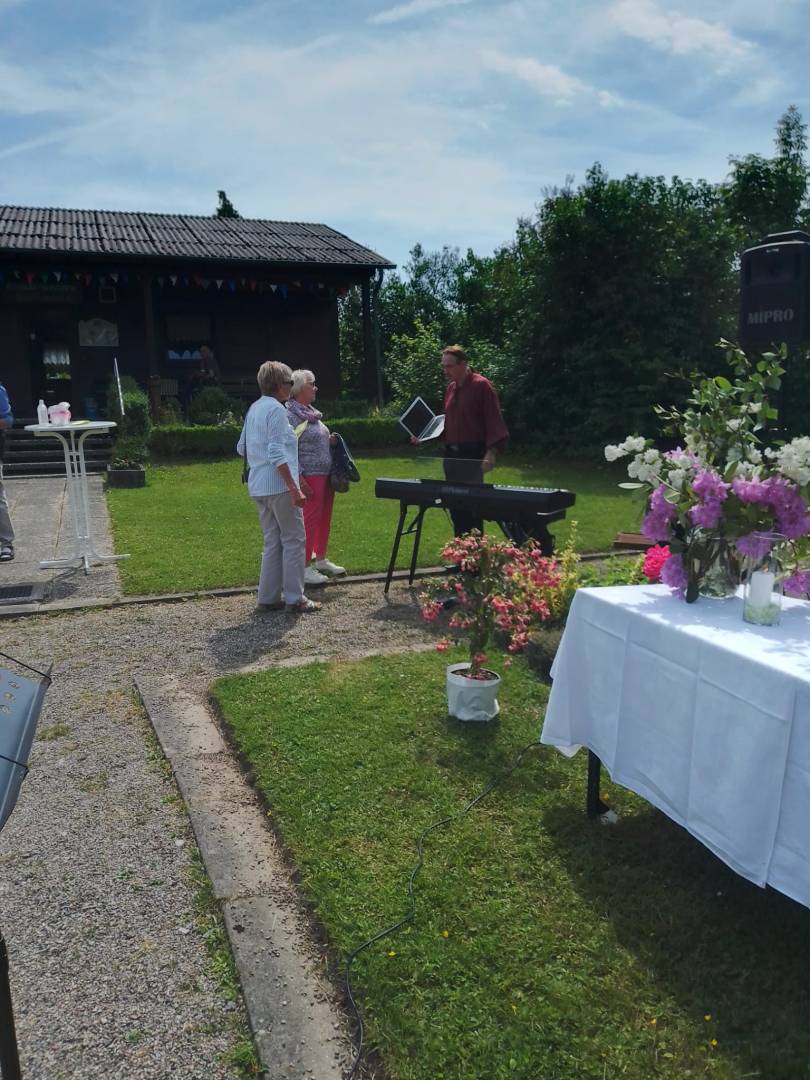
270, 447
208, 365
6, 528
474, 429
315, 461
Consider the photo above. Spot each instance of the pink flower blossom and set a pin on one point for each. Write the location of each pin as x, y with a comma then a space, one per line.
654, 560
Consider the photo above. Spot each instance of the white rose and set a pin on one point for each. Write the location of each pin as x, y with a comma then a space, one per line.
676, 478
634, 444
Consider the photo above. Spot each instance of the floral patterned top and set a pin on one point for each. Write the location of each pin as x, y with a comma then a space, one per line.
314, 452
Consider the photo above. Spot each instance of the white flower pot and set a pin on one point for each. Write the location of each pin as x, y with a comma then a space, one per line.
471, 699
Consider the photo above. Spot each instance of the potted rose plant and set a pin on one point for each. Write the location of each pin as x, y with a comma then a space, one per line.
710, 499
497, 587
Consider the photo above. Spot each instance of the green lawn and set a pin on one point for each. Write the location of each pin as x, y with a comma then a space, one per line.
194, 527
544, 947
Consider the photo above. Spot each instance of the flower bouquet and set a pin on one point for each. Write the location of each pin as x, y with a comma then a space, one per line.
710, 499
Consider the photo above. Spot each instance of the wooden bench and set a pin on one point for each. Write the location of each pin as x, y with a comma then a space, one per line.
627, 541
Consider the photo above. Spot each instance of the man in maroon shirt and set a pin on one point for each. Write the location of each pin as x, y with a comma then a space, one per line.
474, 430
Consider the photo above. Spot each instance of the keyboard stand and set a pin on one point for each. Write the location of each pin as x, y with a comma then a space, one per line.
415, 529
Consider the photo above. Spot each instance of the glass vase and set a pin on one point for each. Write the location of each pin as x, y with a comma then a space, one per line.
713, 567
763, 578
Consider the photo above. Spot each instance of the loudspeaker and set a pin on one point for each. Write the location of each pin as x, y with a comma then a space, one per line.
775, 291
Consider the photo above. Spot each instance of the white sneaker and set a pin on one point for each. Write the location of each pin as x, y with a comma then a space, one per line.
312, 577
324, 566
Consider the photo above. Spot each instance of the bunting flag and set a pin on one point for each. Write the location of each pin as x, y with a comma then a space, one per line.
194, 280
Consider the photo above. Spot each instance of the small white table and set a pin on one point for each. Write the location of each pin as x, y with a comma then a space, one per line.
704, 715
72, 437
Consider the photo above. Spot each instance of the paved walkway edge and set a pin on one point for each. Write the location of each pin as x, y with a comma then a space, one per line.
299, 1030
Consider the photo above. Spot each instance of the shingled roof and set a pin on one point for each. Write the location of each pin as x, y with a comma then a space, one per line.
169, 237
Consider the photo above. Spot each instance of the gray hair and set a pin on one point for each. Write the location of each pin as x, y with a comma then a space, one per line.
271, 375
300, 378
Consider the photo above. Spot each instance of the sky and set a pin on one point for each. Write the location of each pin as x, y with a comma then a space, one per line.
395, 121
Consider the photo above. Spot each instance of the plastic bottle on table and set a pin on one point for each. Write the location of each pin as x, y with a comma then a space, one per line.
42, 412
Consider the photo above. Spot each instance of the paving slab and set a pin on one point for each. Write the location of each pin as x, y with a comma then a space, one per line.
43, 526
296, 1033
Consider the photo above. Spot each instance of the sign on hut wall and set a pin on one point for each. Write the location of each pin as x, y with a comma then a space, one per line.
98, 333
24, 293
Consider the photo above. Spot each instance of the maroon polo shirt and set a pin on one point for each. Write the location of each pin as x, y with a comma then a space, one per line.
472, 413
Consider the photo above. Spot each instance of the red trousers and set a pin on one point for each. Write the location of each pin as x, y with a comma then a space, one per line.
318, 516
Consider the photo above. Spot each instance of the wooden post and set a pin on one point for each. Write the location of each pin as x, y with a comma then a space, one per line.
368, 372
152, 365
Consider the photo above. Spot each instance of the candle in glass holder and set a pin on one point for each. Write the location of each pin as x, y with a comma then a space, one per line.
760, 588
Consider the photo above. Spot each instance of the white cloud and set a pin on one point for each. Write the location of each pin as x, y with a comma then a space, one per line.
413, 8
674, 32
548, 80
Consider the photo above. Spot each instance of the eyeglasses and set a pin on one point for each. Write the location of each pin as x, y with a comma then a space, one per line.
287, 382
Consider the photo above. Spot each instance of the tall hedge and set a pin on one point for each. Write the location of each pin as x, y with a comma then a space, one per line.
180, 440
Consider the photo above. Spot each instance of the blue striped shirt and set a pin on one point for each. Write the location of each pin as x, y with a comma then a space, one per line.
269, 441
5, 408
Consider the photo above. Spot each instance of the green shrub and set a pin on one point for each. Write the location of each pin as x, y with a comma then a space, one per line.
113, 406
170, 411
134, 426
213, 406
128, 452
181, 440
368, 433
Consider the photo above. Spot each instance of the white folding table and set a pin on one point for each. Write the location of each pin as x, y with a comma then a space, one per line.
704, 715
72, 437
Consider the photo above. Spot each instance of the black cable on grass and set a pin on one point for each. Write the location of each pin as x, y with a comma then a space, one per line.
412, 912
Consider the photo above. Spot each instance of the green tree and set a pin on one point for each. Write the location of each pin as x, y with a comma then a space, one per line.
766, 195
413, 366
622, 282
225, 207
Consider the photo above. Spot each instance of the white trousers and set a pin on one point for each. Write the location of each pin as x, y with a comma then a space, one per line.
6, 528
284, 552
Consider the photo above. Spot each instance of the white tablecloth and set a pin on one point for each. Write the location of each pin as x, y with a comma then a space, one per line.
704, 715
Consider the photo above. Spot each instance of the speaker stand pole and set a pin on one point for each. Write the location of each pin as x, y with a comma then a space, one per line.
9, 1055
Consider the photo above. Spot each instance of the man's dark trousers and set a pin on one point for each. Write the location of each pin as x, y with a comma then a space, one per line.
462, 465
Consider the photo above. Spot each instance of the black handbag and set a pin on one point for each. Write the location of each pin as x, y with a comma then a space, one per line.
344, 470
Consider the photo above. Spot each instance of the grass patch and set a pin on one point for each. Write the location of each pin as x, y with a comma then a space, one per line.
193, 526
543, 946
52, 731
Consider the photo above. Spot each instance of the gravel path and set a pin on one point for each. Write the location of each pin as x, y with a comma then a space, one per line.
109, 971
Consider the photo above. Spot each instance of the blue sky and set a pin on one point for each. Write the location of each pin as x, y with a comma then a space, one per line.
395, 121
